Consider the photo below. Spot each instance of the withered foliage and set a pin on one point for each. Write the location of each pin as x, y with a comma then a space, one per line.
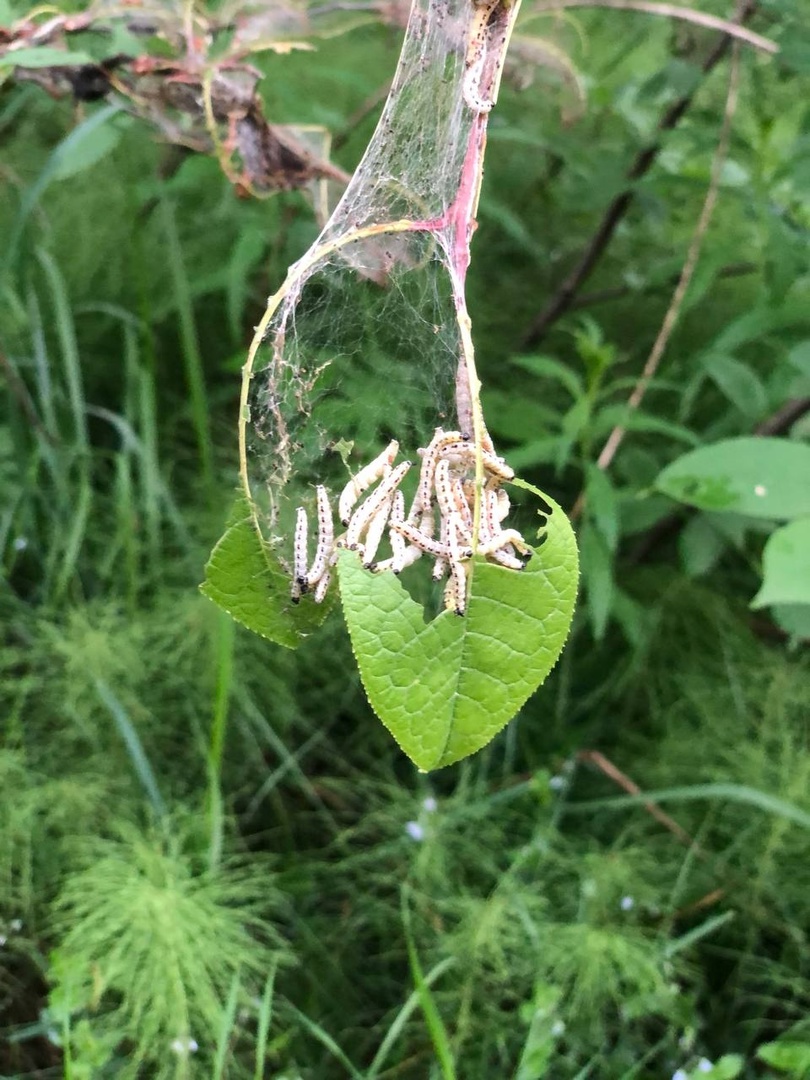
187, 73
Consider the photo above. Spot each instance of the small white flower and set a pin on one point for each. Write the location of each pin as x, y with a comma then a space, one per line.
557, 783
16, 925
762, 491
3, 940
184, 1046
415, 830
558, 1028
680, 1074
20, 543
705, 1066
627, 903
430, 804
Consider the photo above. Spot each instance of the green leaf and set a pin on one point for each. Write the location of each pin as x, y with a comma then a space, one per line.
597, 577
445, 688
543, 1035
799, 357
789, 1057
602, 504
786, 566
794, 619
89, 151
546, 367
700, 545
43, 57
766, 478
638, 420
728, 1067
738, 383
246, 580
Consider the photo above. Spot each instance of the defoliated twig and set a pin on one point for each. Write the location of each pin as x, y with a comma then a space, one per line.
669, 11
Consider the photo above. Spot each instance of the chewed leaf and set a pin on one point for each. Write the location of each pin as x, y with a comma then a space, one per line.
760, 477
446, 688
246, 580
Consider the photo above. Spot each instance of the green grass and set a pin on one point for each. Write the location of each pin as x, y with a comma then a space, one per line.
214, 862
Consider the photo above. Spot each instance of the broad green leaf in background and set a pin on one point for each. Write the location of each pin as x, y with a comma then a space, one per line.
445, 688
66, 159
760, 477
44, 57
786, 566
700, 545
794, 619
799, 357
246, 580
602, 504
546, 367
98, 143
787, 1056
638, 420
545, 1030
728, 1067
597, 577
741, 385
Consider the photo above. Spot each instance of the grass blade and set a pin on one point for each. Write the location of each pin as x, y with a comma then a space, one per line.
402, 1017
228, 1019
265, 1016
191, 348
326, 1040
438, 1032
738, 793
134, 746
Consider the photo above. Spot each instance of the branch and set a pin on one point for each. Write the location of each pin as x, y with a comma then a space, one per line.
616, 436
619, 292
19, 391
673, 311
562, 301
606, 766
670, 11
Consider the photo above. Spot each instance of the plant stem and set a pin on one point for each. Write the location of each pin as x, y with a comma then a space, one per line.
561, 302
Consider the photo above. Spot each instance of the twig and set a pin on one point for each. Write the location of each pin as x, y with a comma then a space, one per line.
616, 436
670, 11
618, 292
19, 391
372, 102
562, 301
606, 766
784, 417
673, 311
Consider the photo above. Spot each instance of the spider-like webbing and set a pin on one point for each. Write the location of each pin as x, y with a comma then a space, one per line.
364, 341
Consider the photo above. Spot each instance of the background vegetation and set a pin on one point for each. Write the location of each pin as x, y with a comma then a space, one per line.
213, 860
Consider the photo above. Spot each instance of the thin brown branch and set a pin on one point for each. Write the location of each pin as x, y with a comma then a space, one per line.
618, 292
674, 310
561, 302
372, 102
606, 766
19, 391
653, 361
784, 418
670, 11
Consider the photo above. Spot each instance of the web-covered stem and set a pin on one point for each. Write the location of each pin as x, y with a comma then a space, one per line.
379, 299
